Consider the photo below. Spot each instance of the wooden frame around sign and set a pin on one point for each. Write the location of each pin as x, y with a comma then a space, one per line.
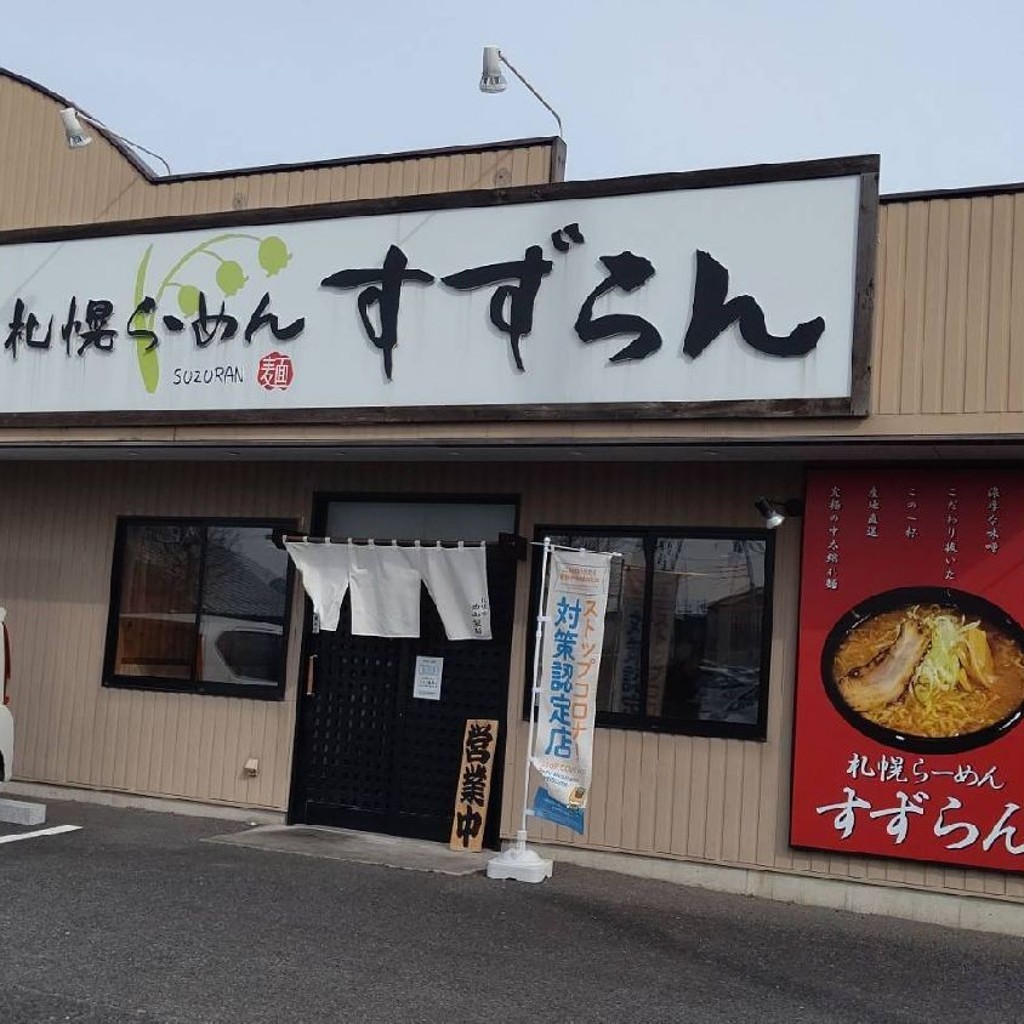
856, 404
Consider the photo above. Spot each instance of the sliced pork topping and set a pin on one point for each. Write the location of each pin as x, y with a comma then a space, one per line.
887, 675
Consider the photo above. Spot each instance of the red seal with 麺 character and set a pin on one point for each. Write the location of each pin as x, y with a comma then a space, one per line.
275, 372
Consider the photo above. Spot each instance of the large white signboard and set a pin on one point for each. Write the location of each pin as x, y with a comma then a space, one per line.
663, 300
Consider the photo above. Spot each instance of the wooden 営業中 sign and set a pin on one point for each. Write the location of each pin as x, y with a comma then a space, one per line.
473, 791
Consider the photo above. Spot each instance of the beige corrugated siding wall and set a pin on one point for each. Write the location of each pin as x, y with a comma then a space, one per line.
949, 338
711, 800
43, 183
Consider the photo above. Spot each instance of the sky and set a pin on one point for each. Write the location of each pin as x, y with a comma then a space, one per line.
641, 85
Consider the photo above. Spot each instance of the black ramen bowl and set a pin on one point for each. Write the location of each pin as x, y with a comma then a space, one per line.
970, 605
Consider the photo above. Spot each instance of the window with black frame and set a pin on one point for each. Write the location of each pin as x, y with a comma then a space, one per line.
687, 638
198, 606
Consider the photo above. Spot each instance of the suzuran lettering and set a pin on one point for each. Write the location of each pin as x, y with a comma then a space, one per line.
211, 375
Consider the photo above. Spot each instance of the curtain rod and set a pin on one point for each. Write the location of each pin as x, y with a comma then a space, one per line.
572, 547
511, 541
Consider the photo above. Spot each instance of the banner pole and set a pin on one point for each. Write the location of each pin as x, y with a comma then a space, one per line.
542, 617
518, 861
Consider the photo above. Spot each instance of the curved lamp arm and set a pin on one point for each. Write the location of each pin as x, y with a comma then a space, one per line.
492, 80
76, 136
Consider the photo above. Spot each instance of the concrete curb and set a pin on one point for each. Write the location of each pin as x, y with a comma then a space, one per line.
975, 913
109, 798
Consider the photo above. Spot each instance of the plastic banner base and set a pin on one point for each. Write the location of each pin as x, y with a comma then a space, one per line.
519, 862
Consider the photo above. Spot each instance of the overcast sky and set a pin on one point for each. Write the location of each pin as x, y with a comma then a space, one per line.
641, 85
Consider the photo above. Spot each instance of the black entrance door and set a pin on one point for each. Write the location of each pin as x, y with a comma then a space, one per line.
371, 756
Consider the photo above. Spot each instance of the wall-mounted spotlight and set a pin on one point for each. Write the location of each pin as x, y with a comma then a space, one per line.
77, 136
73, 130
492, 80
775, 512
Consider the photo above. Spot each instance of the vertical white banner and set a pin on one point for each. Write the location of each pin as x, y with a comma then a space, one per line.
570, 663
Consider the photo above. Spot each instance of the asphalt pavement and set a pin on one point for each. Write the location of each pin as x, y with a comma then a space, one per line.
135, 919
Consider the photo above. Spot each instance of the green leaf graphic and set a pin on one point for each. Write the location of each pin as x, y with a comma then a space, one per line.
230, 277
188, 299
273, 255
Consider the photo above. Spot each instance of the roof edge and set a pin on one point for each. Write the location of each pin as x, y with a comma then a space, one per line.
369, 158
239, 172
968, 192
129, 154
283, 168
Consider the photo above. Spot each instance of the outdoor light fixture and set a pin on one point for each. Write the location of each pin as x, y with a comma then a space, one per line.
775, 513
492, 80
77, 137
73, 129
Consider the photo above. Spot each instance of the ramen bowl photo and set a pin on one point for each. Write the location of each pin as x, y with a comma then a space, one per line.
926, 669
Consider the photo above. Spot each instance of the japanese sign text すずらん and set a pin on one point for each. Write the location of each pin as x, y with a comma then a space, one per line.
910, 688
662, 298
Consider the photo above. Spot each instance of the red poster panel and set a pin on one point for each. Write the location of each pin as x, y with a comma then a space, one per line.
908, 740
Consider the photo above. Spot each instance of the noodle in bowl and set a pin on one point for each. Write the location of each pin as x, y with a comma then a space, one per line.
927, 669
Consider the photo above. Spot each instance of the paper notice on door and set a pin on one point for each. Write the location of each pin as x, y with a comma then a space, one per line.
426, 684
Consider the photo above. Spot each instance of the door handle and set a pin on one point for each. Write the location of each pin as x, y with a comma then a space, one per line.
310, 675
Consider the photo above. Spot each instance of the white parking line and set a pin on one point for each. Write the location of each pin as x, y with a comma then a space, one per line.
56, 830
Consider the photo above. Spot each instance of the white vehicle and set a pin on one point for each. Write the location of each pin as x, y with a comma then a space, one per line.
240, 650
6, 718
231, 650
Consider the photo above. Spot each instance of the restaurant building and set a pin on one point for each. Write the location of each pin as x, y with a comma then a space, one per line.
457, 345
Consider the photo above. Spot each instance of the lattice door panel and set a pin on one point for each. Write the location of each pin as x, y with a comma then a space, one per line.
347, 746
370, 755
474, 685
